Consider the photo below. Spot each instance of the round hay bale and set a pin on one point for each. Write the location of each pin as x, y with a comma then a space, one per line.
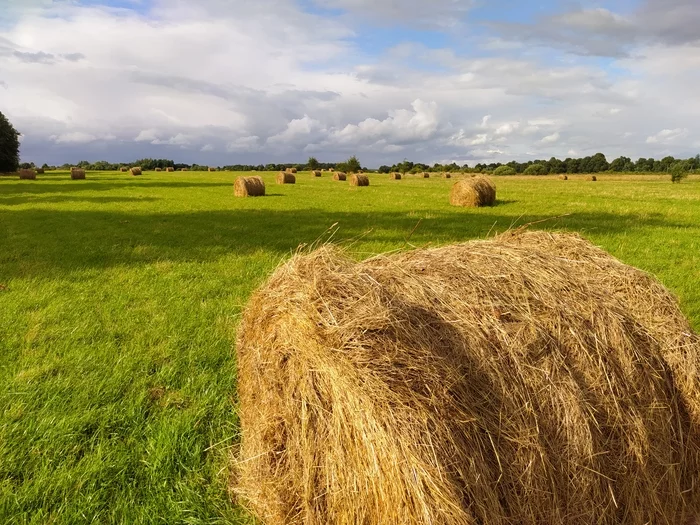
473, 192
394, 176
591, 178
331, 170
359, 180
339, 175
39, 171
527, 379
563, 177
425, 175
291, 170
135, 171
212, 169
446, 175
316, 173
249, 187
184, 169
286, 178
123, 170
159, 169
170, 169
25, 174
77, 174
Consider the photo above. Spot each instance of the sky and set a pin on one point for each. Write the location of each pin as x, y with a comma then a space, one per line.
221, 82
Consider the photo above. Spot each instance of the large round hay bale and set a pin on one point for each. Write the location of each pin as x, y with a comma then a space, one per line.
77, 174
331, 169
473, 192
316, 173
212, 169
170, 169
359, 180
446, 175
395, 176
528, 379
286, 178
26, 174
159, 169
184, 169
249, 187
291, 170
135, 171
339, 175
591, 178
563, 177
123, 169
425, 175
39, 171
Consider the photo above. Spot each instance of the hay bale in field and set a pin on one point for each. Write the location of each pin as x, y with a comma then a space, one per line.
331, 170
286, 178
473, 192
425, 175
212, 169
528, 379
159, 169
39, 171
446, 175
591, 178
123, 170
563, 177
249, 187
25, 174
339, 175
170, 169
77, 174
184, 169
135, 171
316, 173
359, 180
291, 170
395, 176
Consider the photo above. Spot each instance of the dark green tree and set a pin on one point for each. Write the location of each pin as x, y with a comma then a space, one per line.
313, 164
9, 146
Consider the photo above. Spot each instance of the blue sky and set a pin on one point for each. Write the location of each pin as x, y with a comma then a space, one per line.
228, 81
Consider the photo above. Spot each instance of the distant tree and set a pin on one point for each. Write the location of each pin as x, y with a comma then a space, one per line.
536, 169
312, 163
679, 171
620, 164
9, 146
384, 169
504, 170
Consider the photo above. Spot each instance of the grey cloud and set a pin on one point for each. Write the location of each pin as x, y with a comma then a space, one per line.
73, 57
35, 58
3, 84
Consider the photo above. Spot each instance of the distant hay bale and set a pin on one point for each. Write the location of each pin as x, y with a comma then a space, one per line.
473, 192
527, 379
39, 171
563, 177
446, 175
359, 180
77, 174
286, 178
339, 175
159, 169
184, 169
135, 171
123, 170
316, 173
331, 170
249, 187
591, 178
212, 169
394, 176
425, 175
26, 174
170, 169
291, 170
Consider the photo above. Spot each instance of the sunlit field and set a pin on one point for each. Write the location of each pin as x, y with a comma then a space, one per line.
120, 298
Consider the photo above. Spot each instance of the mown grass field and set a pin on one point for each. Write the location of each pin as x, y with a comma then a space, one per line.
120, 297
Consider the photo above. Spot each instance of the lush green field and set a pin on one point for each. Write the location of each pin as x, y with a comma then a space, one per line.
120, 297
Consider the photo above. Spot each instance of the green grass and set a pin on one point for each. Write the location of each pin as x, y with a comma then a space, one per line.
120, 297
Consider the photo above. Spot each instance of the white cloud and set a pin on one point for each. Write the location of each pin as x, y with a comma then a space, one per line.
667, 136
75, 137
551, 139
508, 128
207, 147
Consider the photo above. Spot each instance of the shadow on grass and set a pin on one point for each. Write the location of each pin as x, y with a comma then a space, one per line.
36, 242
54, 199
22, 188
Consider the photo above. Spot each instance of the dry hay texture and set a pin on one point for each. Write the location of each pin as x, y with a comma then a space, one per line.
170, 169
135, 171
77, 174
563, 177
123, 170
249, 187
591, 178
473, 192
395, 176
339, 175
528, 379
446, 175
359, 180
425, 175
291, 170
316, 173
159, 169
27, 174
286, 178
